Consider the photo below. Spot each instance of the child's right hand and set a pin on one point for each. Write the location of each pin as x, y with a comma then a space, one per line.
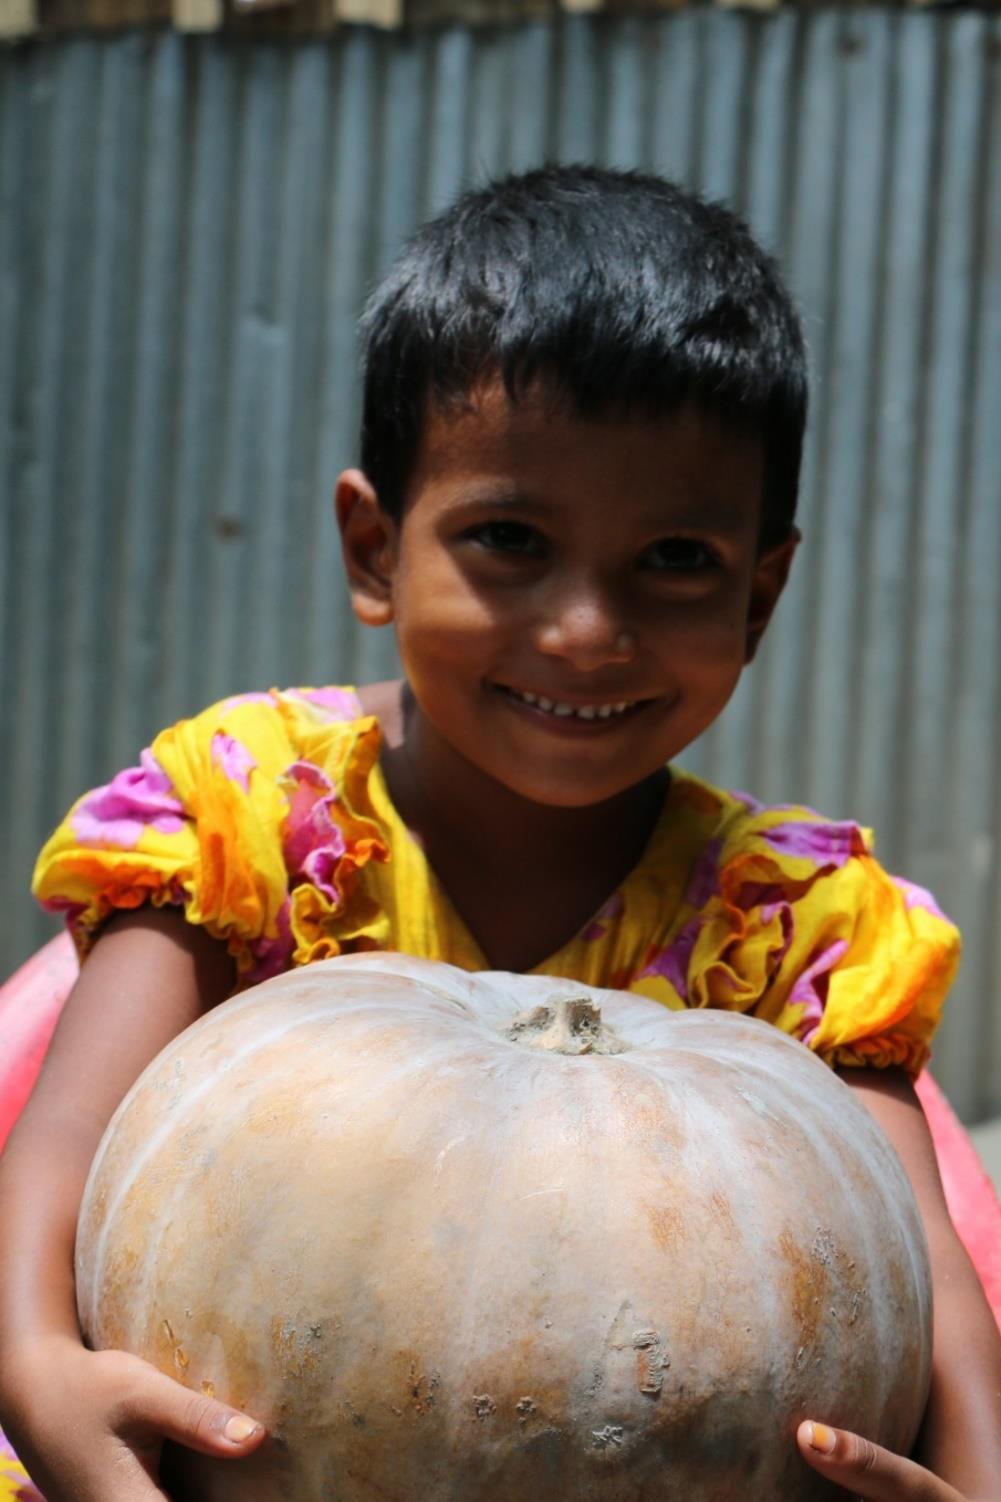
90, 1425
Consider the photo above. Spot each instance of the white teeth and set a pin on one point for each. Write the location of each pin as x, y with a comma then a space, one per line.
563, 711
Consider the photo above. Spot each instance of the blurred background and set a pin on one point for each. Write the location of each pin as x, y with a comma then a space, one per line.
193, 204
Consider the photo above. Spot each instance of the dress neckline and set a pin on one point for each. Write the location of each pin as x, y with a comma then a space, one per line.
401, 836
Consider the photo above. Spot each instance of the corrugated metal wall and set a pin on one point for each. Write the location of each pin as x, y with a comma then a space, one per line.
187, 228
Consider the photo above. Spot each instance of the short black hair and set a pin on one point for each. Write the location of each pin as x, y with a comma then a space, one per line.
621, 292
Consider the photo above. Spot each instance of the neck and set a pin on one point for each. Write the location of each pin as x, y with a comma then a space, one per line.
524, 877
446, 799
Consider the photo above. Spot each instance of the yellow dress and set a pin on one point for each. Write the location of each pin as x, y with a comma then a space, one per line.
268, 819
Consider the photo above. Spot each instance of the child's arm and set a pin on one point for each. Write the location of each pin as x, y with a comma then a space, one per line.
88, 1425
960, 1440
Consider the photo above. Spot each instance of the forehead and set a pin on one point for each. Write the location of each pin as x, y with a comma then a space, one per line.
536, 449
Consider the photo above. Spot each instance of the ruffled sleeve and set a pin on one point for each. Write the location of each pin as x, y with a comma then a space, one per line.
235, 816
801, 926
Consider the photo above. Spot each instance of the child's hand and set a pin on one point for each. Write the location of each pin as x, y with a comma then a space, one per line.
868, 1471
90, 1426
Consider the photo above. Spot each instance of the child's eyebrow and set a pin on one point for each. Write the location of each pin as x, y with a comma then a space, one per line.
502, 496
696, 512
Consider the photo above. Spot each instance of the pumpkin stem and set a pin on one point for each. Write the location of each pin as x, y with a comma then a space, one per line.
569, 1025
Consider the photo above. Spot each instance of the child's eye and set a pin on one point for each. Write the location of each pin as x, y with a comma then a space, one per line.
508, 537
679, 555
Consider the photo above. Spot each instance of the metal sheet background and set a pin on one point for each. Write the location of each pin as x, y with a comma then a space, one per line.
187, 228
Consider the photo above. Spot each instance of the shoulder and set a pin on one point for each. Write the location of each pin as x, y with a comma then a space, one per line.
788, 838
763, 853
223, 767
792, 917
298, 710
246, 815
810, 854
809, 880
259, 732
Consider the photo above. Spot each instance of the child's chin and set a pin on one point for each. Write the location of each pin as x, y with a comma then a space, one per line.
570, 793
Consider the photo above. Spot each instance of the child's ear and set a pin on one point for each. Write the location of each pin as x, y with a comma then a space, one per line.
770, 574
368, 542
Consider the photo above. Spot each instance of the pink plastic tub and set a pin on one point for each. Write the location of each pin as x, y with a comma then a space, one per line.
30, 1003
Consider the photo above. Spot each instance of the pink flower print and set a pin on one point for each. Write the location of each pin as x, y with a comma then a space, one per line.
14, 1483
313, 844
272, 956
233, 758
704, 880
138, 799
827, 844
71, 911
787, 927
673, 960
915, 896
810, 989
597, 928
340, 703
747, 800
255, 697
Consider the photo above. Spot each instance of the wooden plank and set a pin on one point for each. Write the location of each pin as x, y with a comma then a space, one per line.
102, 15
197, 15
748, 4
18, 18
387, 14
291, 19
254, 7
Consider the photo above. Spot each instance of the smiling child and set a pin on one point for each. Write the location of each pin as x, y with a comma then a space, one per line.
584, 408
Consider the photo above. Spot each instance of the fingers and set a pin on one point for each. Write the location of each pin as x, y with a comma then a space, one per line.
100, 1436
867, 1470
159, 1406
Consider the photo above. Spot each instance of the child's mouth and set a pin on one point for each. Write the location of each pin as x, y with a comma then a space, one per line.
580, 714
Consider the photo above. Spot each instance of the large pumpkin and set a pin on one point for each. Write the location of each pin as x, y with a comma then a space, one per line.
475, 1237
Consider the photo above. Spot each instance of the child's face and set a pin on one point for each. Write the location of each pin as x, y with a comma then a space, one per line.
588, 564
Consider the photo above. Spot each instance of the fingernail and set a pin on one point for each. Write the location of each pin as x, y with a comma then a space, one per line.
239, 1428
821, 1438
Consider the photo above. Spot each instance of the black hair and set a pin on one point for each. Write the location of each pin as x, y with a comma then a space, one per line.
622, 293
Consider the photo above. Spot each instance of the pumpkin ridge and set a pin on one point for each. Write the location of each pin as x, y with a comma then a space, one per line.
171, 1125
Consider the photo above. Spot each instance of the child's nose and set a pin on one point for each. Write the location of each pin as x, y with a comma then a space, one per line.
588, 628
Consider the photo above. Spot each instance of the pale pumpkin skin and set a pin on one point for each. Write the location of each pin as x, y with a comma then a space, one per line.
441, 1259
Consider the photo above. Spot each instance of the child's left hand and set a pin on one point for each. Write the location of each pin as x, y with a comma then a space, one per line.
868, 1471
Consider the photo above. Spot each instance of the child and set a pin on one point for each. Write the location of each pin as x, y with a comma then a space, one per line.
584, 404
